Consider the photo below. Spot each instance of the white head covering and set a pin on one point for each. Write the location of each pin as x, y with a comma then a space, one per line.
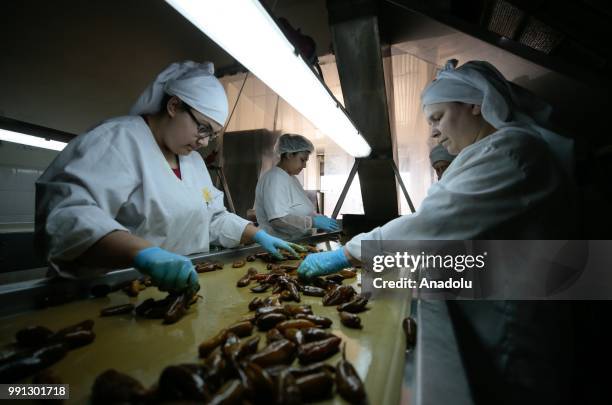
194, 83
503, 104
290, 143
439, 153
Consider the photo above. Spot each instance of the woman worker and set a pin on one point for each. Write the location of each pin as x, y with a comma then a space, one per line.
511, 179
281, 205
133, 191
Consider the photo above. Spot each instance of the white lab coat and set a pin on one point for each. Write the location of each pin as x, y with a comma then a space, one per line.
115, 177
278, 195
505, 186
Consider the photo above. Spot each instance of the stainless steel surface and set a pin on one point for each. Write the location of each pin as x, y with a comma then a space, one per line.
41, 292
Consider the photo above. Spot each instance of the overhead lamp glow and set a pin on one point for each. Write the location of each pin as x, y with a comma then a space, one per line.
24, 139
247, 32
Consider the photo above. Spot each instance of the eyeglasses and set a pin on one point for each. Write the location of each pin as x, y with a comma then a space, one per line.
205, 130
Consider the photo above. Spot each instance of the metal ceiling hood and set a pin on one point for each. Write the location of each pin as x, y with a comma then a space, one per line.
356, 40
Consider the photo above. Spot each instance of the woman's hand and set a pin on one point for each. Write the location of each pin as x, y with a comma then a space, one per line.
271, 244
320, 264
167, 270
325, 223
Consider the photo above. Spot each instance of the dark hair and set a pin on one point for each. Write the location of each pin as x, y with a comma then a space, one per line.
167, 98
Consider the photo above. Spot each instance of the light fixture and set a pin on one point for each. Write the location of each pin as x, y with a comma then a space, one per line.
24, 139
246, 31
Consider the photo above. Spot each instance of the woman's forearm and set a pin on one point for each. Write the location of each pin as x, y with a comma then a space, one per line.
247, 235
115, 250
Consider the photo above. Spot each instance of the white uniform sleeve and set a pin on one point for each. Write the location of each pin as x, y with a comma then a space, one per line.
79, 196
226, 229
292, 224
277, 196
486, 192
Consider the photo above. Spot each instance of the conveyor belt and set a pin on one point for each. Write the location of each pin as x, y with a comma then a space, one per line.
143, 347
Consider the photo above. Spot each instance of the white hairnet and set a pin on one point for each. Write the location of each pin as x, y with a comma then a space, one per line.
439, 153
503, 104
194, 83
289, 143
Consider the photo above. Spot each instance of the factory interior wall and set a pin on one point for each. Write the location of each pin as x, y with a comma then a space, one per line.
259, 107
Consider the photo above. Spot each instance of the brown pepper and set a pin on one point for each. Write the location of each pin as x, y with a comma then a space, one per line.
286, 296
316, 387
177, 308
311, 335
293, 309
260, 383
215, 369
311, 369
271, 309
293, 291
33, 336
318, 350
348, 273
61, 334
273, 335
205, 267
231, 347
241, 329
248, 346
410, 330
207, 346
322, 283
114, 387
339, 295
350, 320
255, 303
320, 321
313, 291
77, 338
30, 362
144, 307
294, 324
356, 305
182, 382
272, 301
117, 310
232, 392
268, 321
287, 391
248, 317
335, 278
349, 385
279, 352
261, 287
238, 263
243, 281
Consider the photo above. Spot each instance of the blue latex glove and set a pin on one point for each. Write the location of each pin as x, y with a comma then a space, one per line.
325, 223
320, 264
167, 270
272, 244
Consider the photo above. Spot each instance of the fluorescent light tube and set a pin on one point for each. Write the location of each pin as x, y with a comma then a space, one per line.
16, 137
247, 32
